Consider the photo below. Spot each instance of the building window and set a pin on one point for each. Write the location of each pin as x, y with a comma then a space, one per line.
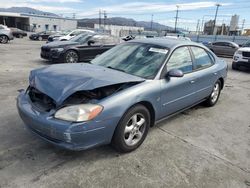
55, 27
46, 27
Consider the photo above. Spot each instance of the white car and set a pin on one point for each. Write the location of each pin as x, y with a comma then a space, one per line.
241, 58
177, 37
72, 34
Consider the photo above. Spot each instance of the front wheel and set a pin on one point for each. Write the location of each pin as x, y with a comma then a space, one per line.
132, 129
214, 96
40, 38
71, 56
4, 39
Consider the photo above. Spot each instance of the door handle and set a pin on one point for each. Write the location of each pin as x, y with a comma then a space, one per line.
192, 81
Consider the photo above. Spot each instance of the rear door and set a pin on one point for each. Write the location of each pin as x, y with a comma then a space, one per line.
178, 93
205, 71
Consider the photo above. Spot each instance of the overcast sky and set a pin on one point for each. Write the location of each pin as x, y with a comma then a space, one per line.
163, 11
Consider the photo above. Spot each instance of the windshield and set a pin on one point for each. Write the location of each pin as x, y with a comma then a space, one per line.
143, 60
83, 38
247, 44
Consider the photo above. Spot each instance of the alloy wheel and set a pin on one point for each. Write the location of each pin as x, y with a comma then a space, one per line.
215, 93
71, 57
134, 129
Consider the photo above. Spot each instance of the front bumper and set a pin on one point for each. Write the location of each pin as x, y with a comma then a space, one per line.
72, 136
54, 57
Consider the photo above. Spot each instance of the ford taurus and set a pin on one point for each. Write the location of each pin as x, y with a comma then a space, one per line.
120, 94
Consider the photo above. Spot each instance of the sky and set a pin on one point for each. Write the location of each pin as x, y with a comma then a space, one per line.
163, 11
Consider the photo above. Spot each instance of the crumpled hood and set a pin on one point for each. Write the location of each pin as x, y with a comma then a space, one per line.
62, 80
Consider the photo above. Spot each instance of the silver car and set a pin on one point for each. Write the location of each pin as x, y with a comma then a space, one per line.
223, 48
5, 34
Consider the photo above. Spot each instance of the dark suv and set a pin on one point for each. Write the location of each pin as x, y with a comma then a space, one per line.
82, 48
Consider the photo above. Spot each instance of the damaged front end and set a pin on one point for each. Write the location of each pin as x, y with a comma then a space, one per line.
44, 103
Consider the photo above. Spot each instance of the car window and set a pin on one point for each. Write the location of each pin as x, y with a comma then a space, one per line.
219, 44
180, 59
202, 58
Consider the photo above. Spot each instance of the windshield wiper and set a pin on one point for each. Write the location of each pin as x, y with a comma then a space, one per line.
115, 69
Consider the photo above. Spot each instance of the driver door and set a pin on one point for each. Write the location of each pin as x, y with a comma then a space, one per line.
178, 92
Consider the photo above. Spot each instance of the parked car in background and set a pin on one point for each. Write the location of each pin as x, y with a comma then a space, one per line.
241, 58
72, 34
120, 94
223, 48
177, 37
5, 34
56, 36
81, 48
41, 35
18, 33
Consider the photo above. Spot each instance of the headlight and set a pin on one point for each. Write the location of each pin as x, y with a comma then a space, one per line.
58, 49
78, 113
238, 52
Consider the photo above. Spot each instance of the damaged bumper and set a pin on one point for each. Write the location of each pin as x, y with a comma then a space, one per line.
68, 135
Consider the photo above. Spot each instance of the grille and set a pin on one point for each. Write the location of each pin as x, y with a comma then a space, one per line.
45, 49
246, 54
40, 100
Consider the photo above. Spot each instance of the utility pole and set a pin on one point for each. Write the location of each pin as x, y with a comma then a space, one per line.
242, 27
215, 17
152, 17
176, 18
197, 27
100, 18
105, 18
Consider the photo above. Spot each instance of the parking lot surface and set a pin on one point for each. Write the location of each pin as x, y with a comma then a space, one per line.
201, 147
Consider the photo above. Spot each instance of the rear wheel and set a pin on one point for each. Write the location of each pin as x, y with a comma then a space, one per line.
234, 66
132, 129
40, 38
4, 39
214, 96
71, 56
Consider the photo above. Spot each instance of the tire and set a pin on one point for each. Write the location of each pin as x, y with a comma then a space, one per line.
20, 36
4, 39
132, 129
214, 96
71, 56
234, 66
40, 38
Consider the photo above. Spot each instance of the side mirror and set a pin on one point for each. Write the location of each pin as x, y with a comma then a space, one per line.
90, 42
175, 73
72, 35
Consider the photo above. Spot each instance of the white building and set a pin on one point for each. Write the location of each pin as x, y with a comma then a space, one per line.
119, 31
33, 22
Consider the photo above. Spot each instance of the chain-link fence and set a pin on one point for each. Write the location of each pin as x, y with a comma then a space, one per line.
213, 38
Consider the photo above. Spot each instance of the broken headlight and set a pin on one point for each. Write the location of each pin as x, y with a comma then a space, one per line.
78, 113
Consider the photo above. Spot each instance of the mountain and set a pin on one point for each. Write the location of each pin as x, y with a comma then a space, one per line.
125, 22
27, 10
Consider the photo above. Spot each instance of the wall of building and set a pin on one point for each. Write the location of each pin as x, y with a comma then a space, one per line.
40, 23
119, 31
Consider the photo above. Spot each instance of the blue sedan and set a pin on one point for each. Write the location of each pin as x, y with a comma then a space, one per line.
120, 94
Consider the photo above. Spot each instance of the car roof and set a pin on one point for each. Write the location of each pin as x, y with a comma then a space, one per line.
166, 42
